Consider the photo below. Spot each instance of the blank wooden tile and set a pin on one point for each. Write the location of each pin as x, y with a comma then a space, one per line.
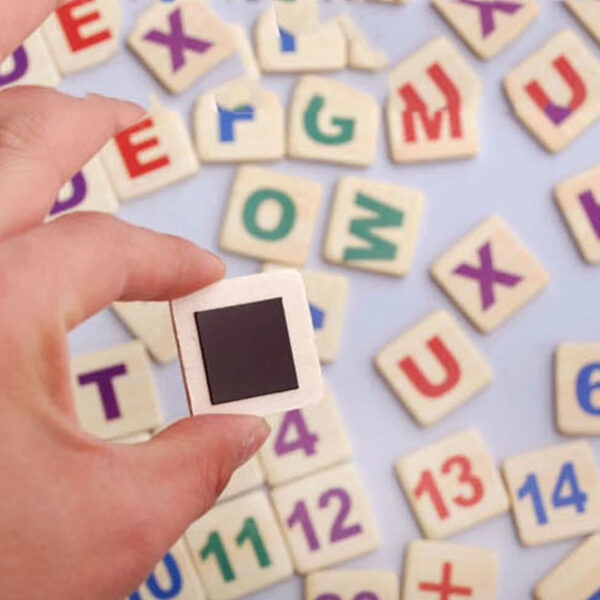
579, 201
245, 50
452, 485
330, 121
248, 477
352, 585
556, 91
180, 41
173, 578
239, 122
433, 368
151, 323
114, 391
373, 226
555, 492
246, 346
432, 105
30, 64
361, 54
154, 153
271, 215
488, 27
304, 441
489, 274
237, 548
576, 577
443, 571
83, 33
588, 13
326, 518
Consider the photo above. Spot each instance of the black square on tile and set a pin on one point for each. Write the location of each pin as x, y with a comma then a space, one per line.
246, 351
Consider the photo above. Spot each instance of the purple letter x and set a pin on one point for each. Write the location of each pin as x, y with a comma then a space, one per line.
487, 12
177, 40
487, 275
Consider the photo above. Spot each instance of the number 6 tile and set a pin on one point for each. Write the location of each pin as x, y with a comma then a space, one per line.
326, 518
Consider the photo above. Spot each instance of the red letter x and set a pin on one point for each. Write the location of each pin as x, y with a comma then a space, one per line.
445, 589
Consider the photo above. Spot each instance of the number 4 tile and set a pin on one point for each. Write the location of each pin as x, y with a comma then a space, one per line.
352, 585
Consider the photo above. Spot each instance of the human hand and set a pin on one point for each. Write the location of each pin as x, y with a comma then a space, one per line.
81, 519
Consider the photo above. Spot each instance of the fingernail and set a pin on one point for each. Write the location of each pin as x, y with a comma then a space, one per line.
256, 432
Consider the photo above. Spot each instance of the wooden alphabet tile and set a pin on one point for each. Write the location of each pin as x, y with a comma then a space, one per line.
433, 368
588, 12
151, 323
174, 578
432, 105
304, 441
439, 570
83, 33
361, 54
271, 216
301, 16
155, 152
579, 201
489, 274
556, 91
352, 585
246, 346
326, 518
114, 391
180, 41
245, 50
373, 226
330, 121
486, 26
237, 548
452, 485
239, 122
576, 577
30, 64
555, 492
248, 477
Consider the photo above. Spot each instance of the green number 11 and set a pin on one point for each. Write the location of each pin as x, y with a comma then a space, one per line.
249, 531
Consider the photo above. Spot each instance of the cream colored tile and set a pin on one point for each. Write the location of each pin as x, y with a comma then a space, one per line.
588, 12
326, 518
489, 274
352, 585
248, 477
361, 54
237, 548
452, 485
134, 438
297, 15
245, 50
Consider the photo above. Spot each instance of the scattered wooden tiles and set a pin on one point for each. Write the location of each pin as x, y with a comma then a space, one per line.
556, 91
374, 226
114, 391
247, 478
332, 122
489, 274
555, 492
588, 12
361, 55
433, 368
432, 105
246, 346
271, 216
326, 518
352, 585
452, 485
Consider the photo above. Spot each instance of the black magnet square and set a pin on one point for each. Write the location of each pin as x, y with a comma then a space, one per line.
246, 350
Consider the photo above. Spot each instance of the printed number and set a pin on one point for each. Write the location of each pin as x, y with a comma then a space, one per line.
359, 596
427, 485
248, 532
303, 440
339, 530
155, 587
566, 493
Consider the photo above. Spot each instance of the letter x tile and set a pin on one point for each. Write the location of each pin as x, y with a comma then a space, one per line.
489, 274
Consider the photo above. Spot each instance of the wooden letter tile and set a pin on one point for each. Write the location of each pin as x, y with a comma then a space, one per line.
489, 274
432, 105
352, 585
374, 226
556, 91
555, 492
486, 26
237, 548
443, 571
588, 12
248, 477
271, 216
452, 484
332, 122
155, 152
361, 55
579, 201
326, 518
180, 41
433, 368
246, 346
114, 390
239, 121
245, 50
134, 438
